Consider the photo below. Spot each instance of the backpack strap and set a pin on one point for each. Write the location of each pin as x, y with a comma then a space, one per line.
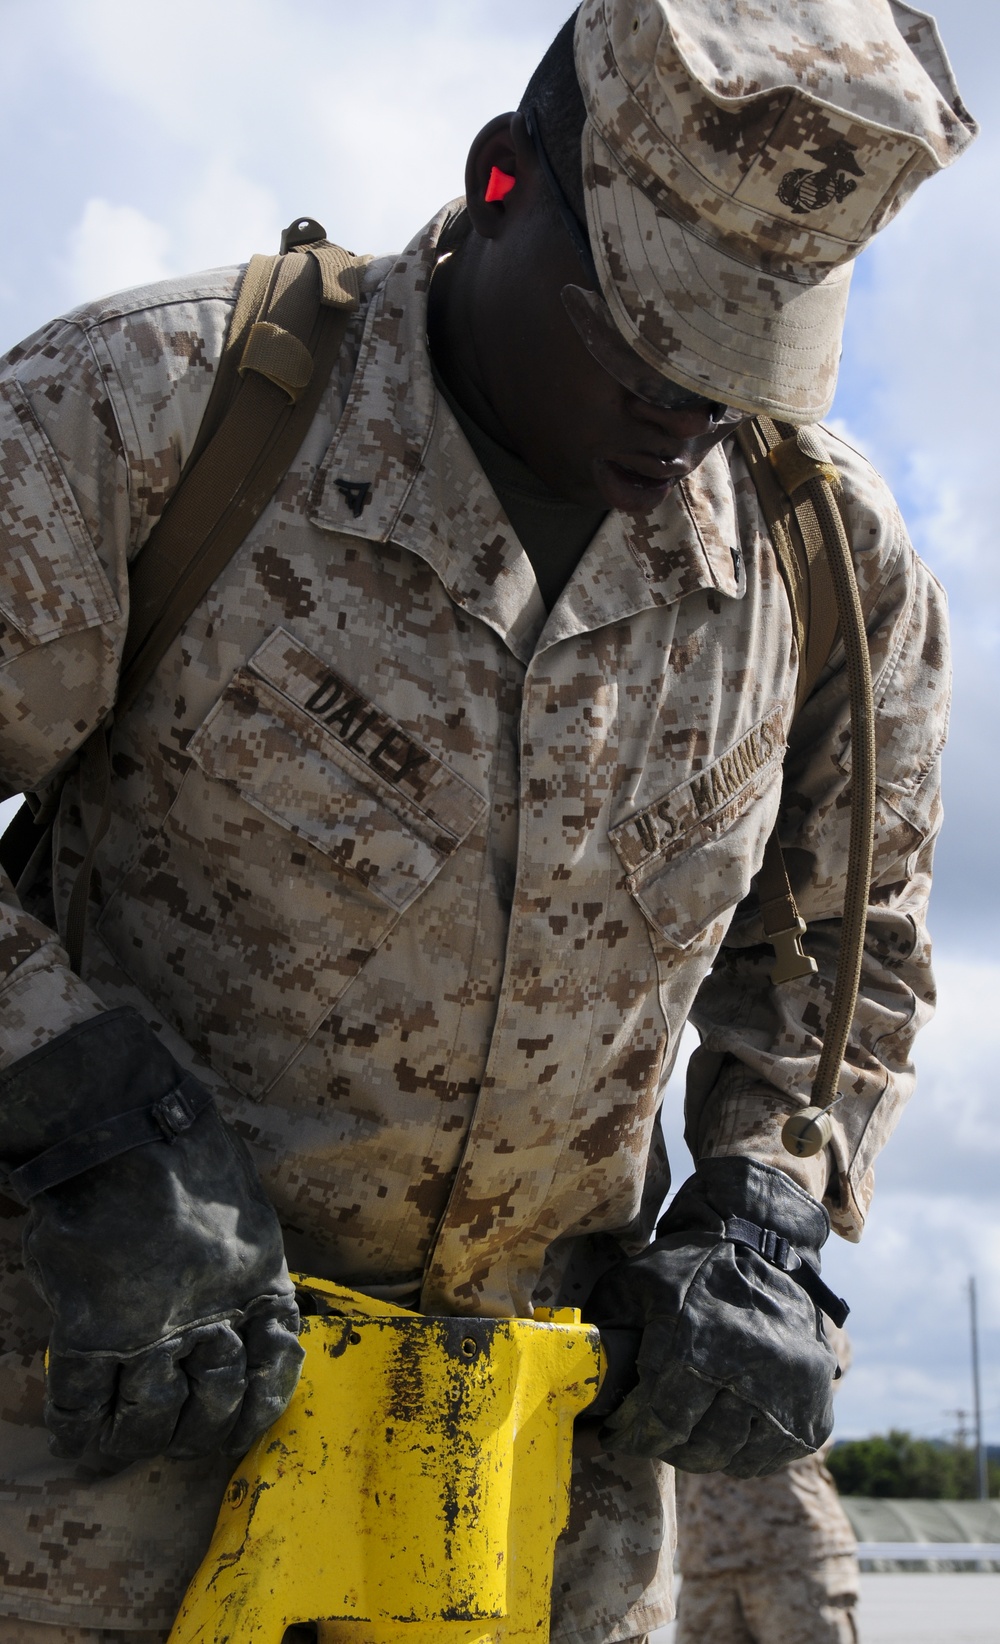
795, 482
286, 331
288, 325
777, 463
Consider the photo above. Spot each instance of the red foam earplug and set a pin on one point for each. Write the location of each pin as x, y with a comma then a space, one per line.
499, 186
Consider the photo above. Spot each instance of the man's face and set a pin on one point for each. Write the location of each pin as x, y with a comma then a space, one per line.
586, 435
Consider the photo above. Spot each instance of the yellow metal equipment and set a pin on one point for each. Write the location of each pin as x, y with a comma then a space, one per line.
413, 1489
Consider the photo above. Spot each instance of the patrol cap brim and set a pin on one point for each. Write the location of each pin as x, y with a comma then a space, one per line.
758, 341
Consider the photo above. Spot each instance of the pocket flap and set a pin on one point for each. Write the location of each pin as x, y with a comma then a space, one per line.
311, 752
691, 854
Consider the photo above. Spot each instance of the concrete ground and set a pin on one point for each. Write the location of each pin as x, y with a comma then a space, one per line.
950, 1608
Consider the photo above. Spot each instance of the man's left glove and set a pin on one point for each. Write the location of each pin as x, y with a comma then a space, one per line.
150, 1237
735, 1372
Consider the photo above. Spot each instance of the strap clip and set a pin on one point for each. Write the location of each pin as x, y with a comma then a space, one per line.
790, 959
776, 1250
303, 231
174, 1114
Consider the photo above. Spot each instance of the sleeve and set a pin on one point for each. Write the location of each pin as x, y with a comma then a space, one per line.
760, 1043
97, 414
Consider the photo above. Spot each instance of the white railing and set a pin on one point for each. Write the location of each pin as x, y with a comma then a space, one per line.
913, 1552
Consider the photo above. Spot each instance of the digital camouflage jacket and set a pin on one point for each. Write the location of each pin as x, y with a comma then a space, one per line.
425, 882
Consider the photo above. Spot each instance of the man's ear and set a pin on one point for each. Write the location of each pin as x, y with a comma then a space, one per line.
498, 160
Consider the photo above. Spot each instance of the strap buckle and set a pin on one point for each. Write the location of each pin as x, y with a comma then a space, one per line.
777, 1250
303, 231
173, 1114
790, 959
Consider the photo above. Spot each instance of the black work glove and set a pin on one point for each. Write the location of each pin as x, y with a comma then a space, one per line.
174, 1320
735, 1372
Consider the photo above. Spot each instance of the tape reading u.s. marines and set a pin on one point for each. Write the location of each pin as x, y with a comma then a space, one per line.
706, 795
734, 769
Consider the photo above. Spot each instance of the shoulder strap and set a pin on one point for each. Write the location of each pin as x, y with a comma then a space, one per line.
284, 336
795, 482
778, 461
287, 328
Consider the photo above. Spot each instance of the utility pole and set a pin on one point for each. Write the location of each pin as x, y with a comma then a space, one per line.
981, 1479
961, 1427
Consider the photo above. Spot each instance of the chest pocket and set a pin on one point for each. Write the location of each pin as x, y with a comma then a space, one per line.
689, 857
306, 824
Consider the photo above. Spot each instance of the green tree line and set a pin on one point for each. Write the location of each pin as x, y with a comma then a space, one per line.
897, 1464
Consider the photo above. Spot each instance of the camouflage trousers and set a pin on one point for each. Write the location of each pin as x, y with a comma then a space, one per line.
13, 1631
813, 1605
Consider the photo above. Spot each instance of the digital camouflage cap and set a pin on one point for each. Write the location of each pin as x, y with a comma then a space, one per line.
737, 156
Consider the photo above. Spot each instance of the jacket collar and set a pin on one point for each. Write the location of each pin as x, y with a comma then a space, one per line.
399, 469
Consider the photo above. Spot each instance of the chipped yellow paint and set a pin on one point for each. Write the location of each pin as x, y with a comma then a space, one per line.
413, 1489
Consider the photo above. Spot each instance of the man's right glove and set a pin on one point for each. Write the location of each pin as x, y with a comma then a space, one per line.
174, 1321
735, 1372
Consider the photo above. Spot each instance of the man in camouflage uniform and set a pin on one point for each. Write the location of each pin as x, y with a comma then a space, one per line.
442, 812
767, 1560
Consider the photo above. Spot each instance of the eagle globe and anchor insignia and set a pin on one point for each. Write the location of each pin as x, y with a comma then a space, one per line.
804, 190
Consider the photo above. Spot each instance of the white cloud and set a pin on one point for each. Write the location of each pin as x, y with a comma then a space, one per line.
434, 90
949, 1140
361, 118
111, 248
907, 1284
921, 331
224, 218
188, 142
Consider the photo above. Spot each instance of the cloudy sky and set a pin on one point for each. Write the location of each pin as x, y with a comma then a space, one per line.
141, 140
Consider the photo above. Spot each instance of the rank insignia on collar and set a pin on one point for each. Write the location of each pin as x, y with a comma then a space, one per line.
355, 493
